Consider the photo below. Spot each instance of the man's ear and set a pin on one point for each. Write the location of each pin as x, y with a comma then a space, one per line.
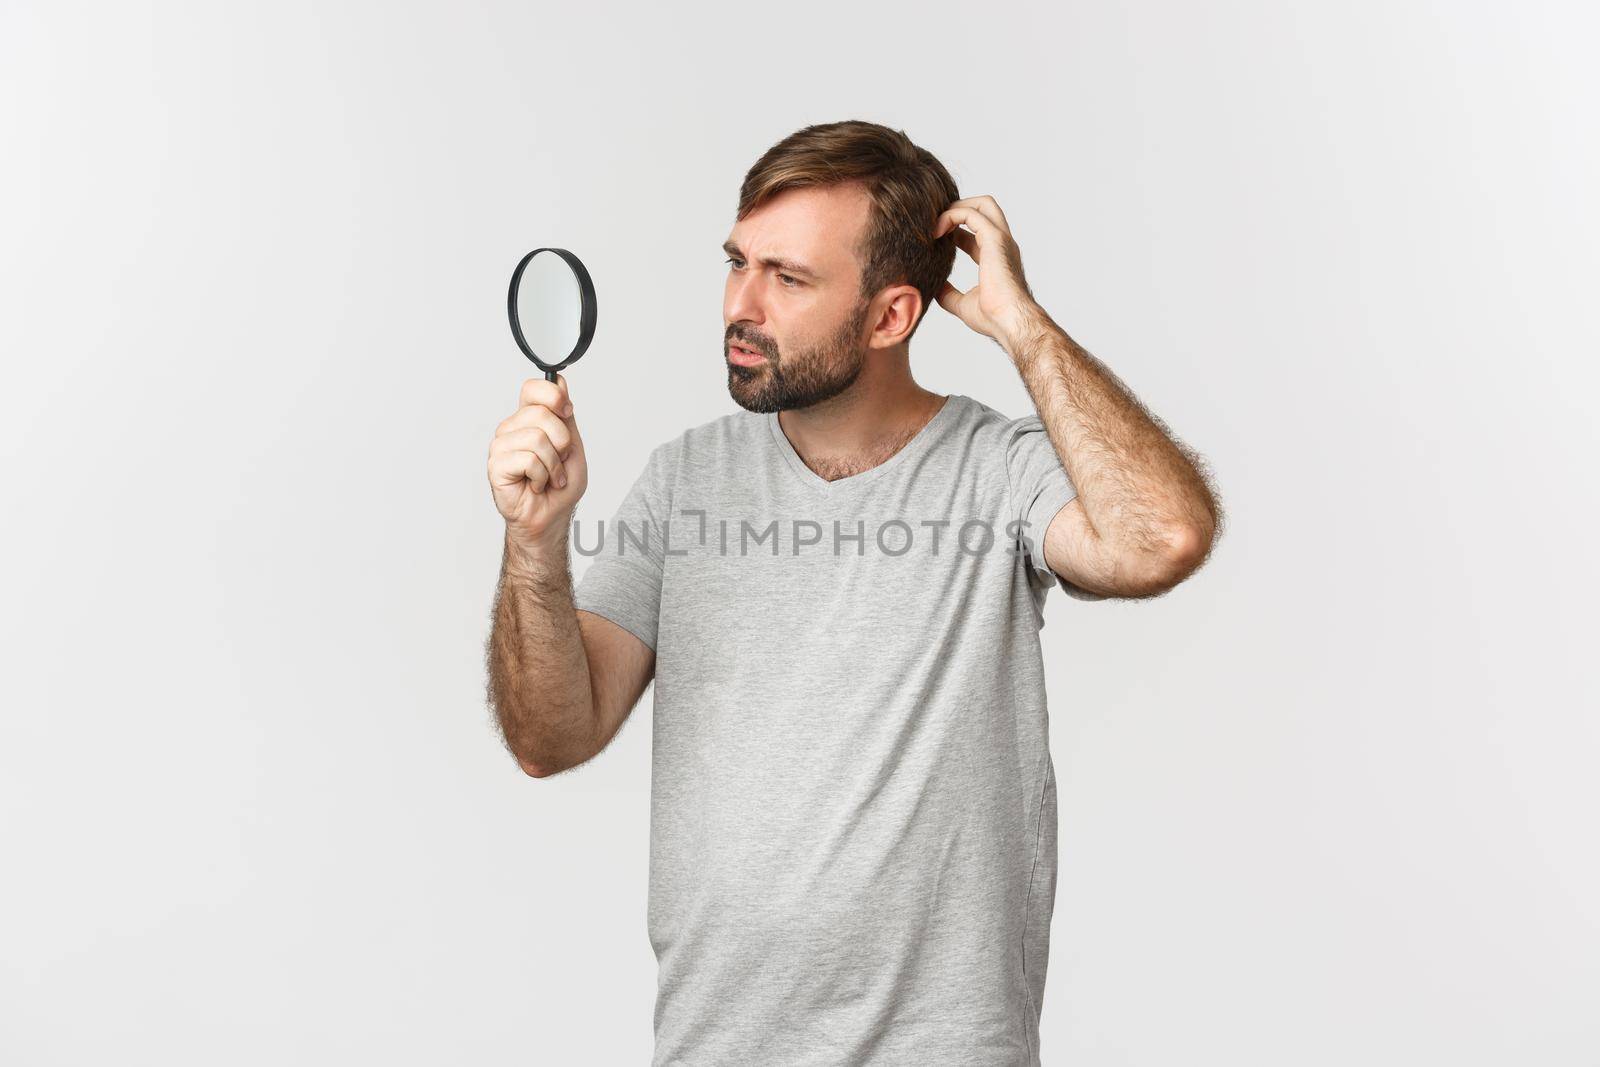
895, 315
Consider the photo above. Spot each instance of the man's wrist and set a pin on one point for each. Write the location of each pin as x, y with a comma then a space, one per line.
536, 555
1022, 329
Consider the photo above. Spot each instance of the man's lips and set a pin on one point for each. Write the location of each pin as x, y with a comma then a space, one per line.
744, 357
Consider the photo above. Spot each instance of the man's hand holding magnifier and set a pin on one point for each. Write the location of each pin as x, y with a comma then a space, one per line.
537, 467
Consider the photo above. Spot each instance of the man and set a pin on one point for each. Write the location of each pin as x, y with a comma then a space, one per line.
853, 807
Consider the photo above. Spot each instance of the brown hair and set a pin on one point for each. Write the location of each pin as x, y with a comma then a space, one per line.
908, 187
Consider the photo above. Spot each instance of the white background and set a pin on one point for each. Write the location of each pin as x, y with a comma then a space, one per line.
1332, 801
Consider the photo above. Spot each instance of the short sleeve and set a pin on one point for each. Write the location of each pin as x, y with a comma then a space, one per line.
623, 581
1039, 488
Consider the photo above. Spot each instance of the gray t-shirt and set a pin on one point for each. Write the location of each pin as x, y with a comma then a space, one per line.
853, 809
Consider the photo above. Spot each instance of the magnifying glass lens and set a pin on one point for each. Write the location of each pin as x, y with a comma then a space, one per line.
552, 308
549, 307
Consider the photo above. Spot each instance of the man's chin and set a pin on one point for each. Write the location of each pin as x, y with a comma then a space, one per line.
749, 392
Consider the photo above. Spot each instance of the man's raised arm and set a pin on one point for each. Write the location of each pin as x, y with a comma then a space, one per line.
561, 683
1145, 516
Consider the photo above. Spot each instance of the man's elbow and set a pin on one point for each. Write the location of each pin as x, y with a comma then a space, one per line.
1167, 558
546, 763
1188, 546
546, 757
1183, 548
534, 769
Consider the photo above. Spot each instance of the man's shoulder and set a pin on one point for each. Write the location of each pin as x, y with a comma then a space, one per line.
1008, 431
736, 427
976, 415
987, 426
721, 436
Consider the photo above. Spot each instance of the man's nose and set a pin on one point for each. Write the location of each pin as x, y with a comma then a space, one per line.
742, 302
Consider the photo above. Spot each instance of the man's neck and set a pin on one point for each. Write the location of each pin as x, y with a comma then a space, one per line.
863, 426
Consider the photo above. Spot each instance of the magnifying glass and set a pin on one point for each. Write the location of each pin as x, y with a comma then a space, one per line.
552, 293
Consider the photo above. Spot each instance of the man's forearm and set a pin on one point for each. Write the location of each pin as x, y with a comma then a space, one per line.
1141, 491
538, 669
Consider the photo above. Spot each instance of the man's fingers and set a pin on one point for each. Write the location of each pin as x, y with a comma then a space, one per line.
967, 242
948, 296
560, 431
536, 442
566, 396
506, 469
991, 207
538, 391
982, 226
988, 207
552, 395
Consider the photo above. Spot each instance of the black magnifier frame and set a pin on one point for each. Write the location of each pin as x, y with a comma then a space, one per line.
585, 322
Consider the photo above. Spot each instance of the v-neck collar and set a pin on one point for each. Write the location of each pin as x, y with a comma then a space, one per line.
919, 442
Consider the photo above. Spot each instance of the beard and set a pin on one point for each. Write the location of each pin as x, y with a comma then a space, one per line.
798, 379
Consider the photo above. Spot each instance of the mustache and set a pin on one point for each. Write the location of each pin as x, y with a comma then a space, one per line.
740, 338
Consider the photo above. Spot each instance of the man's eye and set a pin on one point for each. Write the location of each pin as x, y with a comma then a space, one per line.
788, 281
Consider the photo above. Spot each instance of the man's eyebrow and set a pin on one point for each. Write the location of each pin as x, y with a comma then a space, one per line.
792, 266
